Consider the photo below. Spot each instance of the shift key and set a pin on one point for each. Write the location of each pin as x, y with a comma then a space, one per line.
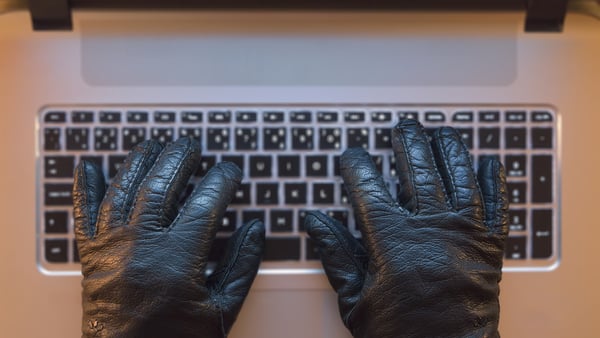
541, 171
58, 194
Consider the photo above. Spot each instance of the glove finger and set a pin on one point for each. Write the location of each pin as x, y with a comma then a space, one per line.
124, 186
344, 259
492, 180
159, 192
202, 214
234, 274
88, 191
421, 188
456, 170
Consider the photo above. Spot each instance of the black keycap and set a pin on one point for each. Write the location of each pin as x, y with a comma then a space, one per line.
110, 117
217, 139
242, 195
489, 116
462, 116
52, 139
217, 249
55, 117
312, 250
435, 116
229, 221
195, 133
56, 250
267, 193
246, 138
260, 166
383, 138
316, 165
393, 169
245, 116
105, 138
327, 116
288, 165
408, 115
282, 220
515, 138
191, 117
249, 215
323, 193
541, 138
541, 178
137, 117
77, 139
517, 219
516, 247
516, 165
295, 193
381, 116
59, 166
164, 116
541, 116
133, 136
75, 252
378, 161
517, 192
219, 116
336, 165
206, 162
238, 160
274, 138
282, 248
114, 163
466, 135
330, 138
301, 116
343, 194
515, 116
98, 160
358, 137
58, 194
82, 117
56, 222
489, 138
354, 116
339, 215
301, 218
273, 116
541, 231
162, 135
302, 138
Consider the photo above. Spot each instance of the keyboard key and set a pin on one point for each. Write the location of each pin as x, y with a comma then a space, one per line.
282, 220
516, 165
249, 215
52, 139
435, 116
408, 115
245, 116
114, 163
191, 117
354, 116
541, 116
56, 250
515, 116
517, 192
323, 193
59, 166
137, 117
339, 215
302, 138
229, 221
489, 116
273, 117
218, 139
516, 247
105, 138
517, 220
358, 137
110, 117
301, 218
541, 229
133, 136
162, 135
383, 138
295, 193
381, 116
195, 133
97, 160
242, 195
246, 138
301, 116
55, 117
267, 193
489, 138
466, 135
238, 160
312, 250
541, 179
378, 161
58, 194
206, 162
330, 138
56, 222
515, 138
219, 116
462, 116
541, 138
77, 139
260, 166
316, 166
82, 117
288, 165
164, 117
327, 117
282, 248
274, 138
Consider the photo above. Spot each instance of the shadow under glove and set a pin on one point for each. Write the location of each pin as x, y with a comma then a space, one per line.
144, 261
429, 263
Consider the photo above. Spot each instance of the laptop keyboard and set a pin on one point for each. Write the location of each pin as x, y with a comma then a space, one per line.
290, 156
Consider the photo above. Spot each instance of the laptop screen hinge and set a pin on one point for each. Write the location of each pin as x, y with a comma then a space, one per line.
50, 14
545, 15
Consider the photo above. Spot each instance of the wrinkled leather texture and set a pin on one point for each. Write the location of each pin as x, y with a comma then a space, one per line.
144, 260
429, 264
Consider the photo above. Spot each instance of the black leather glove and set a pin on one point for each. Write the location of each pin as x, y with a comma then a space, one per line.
430, 262
144, 261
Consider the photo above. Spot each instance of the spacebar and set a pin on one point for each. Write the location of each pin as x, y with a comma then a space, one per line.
282, 249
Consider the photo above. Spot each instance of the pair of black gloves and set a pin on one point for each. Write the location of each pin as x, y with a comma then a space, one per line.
428, 266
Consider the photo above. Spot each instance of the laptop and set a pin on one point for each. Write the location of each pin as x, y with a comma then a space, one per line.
282, 90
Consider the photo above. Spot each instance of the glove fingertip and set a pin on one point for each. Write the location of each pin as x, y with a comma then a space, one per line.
89, 188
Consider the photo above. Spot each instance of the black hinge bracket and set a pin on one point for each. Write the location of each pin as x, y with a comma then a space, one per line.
545, 15
50, 14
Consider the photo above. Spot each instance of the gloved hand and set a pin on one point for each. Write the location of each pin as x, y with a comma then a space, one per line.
430, 262
143, 260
